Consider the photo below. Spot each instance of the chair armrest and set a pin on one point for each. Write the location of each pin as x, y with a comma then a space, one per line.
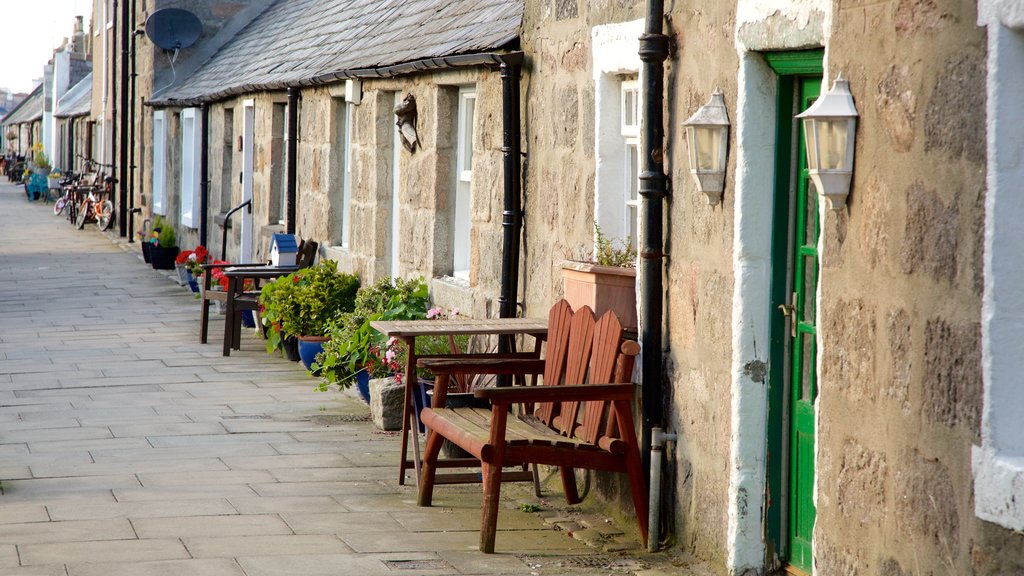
233, 265
566, 393
486, 364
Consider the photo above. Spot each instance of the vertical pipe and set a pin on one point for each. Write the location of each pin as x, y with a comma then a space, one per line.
122, 126
293, 158
71, 144
204, 171
132, 128
653, 188
512, 212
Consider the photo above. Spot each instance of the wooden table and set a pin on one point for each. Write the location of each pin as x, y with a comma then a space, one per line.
237, 275
407, 331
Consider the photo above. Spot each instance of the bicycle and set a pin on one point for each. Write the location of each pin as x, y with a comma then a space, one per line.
95, 207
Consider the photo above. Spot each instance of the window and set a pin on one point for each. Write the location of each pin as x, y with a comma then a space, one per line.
462, 219
227, 179
396, 204
159, 163
998, 464
630, 131
191, 129
278, 165
346, 175
617, 129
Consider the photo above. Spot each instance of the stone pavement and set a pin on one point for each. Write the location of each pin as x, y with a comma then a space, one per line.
127, 448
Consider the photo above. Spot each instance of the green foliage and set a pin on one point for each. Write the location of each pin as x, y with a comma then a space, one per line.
41, 161
167, 238
354, 344
608, 252
307, 302
529, 508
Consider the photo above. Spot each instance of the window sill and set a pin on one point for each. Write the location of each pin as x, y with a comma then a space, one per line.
998, 482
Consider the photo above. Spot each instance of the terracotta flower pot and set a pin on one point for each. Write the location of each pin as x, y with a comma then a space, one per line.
602, 288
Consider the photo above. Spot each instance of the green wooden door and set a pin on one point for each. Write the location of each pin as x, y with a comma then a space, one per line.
802, 350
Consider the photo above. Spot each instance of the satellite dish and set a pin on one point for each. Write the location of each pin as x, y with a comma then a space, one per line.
173, 28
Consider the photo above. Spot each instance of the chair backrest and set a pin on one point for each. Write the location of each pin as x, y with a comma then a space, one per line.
581, 350
307, 254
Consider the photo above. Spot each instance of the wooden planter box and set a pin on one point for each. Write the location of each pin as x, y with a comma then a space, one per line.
602, 288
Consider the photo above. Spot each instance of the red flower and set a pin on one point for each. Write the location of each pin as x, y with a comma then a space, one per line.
182, 256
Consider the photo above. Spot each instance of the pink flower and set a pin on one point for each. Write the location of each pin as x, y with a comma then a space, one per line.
389, 355
391, 341
433, 313
454, 312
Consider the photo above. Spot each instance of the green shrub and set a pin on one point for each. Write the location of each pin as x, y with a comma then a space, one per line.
354, 343
307, 302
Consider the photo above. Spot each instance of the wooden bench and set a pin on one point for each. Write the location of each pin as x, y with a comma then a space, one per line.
304, 259
574, 420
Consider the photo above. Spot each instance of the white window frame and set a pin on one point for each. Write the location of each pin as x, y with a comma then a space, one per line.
462, 219
159, 163
346, 179
630, 132
191, 132
616, 68
998, 464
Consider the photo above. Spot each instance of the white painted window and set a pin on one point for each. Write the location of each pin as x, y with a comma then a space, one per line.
159, 163
396, 205
629, 112
617, 128
998, 464
191, 129
346, 177
462, 219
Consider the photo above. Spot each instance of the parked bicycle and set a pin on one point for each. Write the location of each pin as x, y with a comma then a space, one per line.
97, 207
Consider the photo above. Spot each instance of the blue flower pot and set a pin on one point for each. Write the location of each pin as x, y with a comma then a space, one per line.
248, 321
309, 347
363, 385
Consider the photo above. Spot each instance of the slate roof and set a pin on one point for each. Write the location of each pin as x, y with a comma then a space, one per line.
30, 109
308, 42
77, 101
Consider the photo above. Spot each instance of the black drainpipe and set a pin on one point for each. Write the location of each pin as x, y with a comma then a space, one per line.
204, 171
512, 215
653, 190
132, 210
114, 159
122, 156
293, 158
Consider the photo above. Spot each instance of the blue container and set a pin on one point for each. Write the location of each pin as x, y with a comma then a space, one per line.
363, 385
309, 347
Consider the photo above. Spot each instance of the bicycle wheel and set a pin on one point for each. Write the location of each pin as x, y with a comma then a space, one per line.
60, 205
106, 216
83, 213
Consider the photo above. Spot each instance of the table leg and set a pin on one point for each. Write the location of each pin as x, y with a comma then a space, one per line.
409, 411
229, 314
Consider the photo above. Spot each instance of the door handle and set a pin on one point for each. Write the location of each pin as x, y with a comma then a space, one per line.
789, 311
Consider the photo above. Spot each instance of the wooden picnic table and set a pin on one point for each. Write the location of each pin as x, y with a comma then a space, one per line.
408, 331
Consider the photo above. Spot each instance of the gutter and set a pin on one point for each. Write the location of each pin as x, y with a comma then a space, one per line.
486, 59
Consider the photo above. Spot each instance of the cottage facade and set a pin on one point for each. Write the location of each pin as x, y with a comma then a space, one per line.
841, 381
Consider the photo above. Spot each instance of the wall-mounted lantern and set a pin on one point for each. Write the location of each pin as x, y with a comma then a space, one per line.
707, 133
830, 125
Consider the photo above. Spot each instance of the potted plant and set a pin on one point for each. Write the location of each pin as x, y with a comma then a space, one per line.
605, 281
351, 354
165, 248
305, 303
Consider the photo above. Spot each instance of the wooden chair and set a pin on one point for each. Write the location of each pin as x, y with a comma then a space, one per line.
573, 420
306, 257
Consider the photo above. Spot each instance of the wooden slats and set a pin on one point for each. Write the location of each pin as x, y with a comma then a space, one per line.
607, 335
559, 320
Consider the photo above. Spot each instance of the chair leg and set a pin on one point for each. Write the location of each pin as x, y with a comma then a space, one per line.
492, 496
637, 483
572, 496
429, 470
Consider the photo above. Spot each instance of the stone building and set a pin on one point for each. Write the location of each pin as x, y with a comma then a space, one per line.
841, 378
73, 127
378, 206
23, 125
846, 448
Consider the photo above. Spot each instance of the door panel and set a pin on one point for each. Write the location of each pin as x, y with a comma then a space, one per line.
803, 354
248, 133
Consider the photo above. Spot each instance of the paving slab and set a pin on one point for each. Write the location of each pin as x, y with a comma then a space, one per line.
125, 550
130, 510
200, 567
287, 545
